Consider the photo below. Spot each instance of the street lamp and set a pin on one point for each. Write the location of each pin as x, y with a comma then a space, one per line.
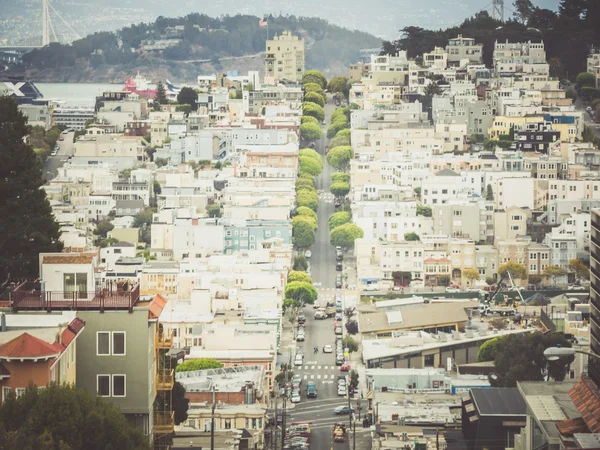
555, 353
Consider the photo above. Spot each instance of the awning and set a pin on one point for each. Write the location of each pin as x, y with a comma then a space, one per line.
369, 280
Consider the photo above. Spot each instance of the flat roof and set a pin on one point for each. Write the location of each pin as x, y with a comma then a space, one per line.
499, 402
230, 379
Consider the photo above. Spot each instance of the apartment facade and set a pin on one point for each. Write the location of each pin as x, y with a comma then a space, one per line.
284, 57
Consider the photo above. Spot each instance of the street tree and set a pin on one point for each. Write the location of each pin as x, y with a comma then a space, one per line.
188, 96
309, 119
314, 97
307, 176
340, 177
301, 291
308, 219
191, 365
308, 199
304, 211
303, 234
489, 193
314, 87
339, 189
577, 266
339, 218
285, 375
298, 275
310, 131
214, 210
339, 140
300, 263
520, 357
27, 224
314, 110
349, 343
66, 418
349, 312
471, 274
553, 271
345, 235
411, 237
310, 165
312, 154
585, 79
352, 327
516, 270
339, 157
314, 76
338, 84
336, 127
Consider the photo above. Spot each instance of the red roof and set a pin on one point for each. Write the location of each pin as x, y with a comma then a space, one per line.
571, 426
28, 346
156, 307
586, 397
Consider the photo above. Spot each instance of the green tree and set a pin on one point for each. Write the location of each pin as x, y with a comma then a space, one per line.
143, 218
310, 165
310, 119
411, 237
577, 266
585, 79
314, 110
300, 263
312, 154
487, 349
340, 177
523, 9
339, 189
310, 131
339, 157
161, 94
444, 280
304, 183
489, 193
345, 235
553, 271
65, 418
303, 233
301, 292
285, 375
314, 97
336, 127
314, 87
349, 343
156, 188
304, 211
516, 270
424, 210
339, 218
308, 199
471, 275
520, 357
103, 227
314, 76
188, 96
214, 210
27, 224
199, 364
339, 140
338, 84
298, 275
308, 219
186, 109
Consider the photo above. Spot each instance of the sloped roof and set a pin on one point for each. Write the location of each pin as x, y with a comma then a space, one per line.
156, 307
28, 346
586, 398
571, 426
68, 259
447, 173
499, 402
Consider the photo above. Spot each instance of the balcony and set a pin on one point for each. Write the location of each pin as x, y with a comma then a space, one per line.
163, 341
164, 423
28, 296
164, 380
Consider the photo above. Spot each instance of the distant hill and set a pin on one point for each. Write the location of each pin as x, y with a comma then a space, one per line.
181, 48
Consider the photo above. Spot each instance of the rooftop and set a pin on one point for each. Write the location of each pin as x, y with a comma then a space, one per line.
499, 402
231, 379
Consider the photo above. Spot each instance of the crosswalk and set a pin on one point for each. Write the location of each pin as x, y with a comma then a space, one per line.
318, 377
313, 367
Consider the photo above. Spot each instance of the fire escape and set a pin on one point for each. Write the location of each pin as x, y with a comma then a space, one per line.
164, 379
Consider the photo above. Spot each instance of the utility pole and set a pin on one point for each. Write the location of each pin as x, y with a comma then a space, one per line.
274, 435
212, 421
354, 435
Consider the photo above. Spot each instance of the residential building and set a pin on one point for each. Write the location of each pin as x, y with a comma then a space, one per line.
538, 137
538, 260
284, 58
594, 363
462, 48
74, 118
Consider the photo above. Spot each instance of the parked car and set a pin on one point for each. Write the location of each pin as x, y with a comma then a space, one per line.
342, 410
345, 368
307, 254
53, 153
300, 336
339, 267
338, 282
339, 361
372, 287
452, 289
295, 397
338, 317
338, 331
327, 349
299, 360
316, 305
342, 390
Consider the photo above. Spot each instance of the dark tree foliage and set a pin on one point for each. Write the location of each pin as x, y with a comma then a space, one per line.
566, 35
63, 417
188, 96
27, 224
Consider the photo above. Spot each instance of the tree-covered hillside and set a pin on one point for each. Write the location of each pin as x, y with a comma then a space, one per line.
567, 35
198, 37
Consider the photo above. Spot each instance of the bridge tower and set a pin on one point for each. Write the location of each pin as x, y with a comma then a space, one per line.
498, 10
45, 23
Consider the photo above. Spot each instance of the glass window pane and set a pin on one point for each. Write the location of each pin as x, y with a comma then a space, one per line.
118, 343
104, 385
118, 385
103, 347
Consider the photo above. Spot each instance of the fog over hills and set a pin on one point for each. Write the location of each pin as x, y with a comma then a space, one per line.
382, 18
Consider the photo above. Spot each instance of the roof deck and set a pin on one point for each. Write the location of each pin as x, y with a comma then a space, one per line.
28, 296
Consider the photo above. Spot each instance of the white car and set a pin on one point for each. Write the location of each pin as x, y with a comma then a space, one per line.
327, 349
342, 390
295, 397
371, 287
307, 254
341, 382
299, 360
452, 290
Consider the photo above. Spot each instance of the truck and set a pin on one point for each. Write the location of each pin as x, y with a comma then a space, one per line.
325, 313
311, 390
485, 310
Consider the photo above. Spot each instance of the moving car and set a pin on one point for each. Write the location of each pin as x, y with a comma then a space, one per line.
62, 138
295, 397
311, 390
316, 305
342, 410
299, 360
342, 390
327, 349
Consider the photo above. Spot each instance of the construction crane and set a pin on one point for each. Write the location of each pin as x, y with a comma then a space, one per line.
499, 287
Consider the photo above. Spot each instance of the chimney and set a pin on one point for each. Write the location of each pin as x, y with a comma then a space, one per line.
2, 322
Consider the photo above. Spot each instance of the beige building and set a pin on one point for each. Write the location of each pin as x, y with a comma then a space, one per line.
462, 255
284, 58
510, 223
539, 259
461, 48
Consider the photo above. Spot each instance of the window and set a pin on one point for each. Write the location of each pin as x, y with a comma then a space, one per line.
118, 386
102, 343
19, 392
5, 393
429, 360
118, 343
227, 424
103, 385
